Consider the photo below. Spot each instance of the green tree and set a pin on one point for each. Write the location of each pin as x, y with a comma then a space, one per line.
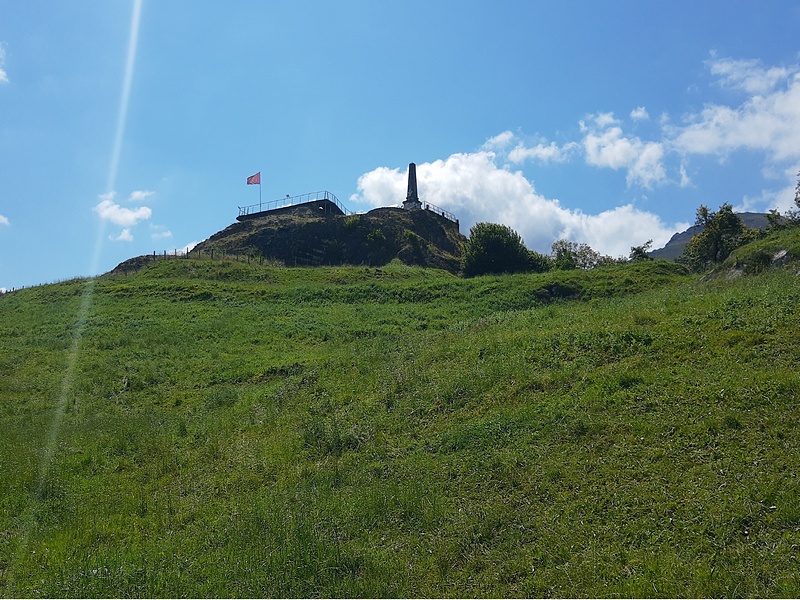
563, 255
791, 218
722, 232
494, 248
539, 263
640, 252
568, 255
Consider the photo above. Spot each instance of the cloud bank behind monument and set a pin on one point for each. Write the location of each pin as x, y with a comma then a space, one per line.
477, 189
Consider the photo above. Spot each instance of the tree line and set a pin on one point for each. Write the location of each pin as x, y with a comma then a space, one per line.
493, 248
723, 231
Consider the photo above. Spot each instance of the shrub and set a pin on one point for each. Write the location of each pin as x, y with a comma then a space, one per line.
539, 263
494, 248
641, 252
571, 255
722, 232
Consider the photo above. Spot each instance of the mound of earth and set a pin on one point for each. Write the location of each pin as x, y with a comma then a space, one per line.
306, 236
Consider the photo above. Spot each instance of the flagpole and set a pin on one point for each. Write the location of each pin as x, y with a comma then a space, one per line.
256, 179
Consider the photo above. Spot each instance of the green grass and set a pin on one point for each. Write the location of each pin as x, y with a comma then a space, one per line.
240, 430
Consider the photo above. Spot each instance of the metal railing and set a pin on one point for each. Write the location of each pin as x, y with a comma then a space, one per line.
440, 211
292, 201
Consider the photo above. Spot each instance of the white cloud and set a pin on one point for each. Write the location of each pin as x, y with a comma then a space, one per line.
606, 146
4, 220
482, 186
124, 236
500, 141
781, 199
3, 72
124, 217
543, 152
110, 211
686, 181
161, 235
472, 186
603, 120
140, 195
767, 123
614, 231
748, 75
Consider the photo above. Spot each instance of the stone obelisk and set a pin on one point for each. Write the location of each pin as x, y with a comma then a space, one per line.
412, 197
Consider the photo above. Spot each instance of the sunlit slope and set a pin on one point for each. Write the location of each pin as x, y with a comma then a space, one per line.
241, 430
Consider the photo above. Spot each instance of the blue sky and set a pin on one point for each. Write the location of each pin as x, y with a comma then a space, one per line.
131, 126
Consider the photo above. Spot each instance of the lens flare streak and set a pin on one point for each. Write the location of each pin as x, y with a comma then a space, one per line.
66, 390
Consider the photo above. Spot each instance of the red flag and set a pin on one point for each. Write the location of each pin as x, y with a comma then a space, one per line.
254, 179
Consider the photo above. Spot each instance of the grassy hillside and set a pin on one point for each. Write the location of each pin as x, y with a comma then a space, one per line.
225, 429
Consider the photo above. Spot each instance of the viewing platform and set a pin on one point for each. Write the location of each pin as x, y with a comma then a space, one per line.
325, 200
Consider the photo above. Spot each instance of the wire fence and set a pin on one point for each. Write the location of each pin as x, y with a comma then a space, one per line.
251, 257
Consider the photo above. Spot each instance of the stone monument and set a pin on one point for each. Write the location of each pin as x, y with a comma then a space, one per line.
412, 197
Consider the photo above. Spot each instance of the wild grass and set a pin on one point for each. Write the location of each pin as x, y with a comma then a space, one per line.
240, 430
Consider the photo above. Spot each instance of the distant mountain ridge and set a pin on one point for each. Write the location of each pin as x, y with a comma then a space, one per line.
677, 243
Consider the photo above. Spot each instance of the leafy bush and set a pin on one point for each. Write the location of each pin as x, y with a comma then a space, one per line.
540, 263
572, 255
722, 232
641, 252
494, 248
